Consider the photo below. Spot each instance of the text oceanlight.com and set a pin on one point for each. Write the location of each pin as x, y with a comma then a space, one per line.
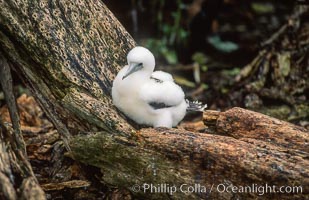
221, 188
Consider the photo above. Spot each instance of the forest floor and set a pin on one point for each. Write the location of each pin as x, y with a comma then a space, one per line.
60, 176
275, 83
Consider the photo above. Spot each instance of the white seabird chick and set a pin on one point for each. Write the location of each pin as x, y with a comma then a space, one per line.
147, 97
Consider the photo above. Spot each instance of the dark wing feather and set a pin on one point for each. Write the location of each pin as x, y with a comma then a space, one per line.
156, 79
158, 105
161, 94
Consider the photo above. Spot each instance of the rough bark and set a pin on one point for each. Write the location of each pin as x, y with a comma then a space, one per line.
17, 180
240, 124
68, 52
14, 163
255, 149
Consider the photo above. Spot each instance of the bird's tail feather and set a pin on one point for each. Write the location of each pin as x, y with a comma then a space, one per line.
195, 106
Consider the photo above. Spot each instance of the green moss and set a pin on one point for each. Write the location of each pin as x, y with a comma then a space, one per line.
302, 111
280, 112
286, 113
124, 163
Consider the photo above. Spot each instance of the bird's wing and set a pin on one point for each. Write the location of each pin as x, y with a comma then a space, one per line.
161, 76
161, 94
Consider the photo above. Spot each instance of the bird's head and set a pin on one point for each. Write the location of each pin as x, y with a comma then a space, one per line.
140, 59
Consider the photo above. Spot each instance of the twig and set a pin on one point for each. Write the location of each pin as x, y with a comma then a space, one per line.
7, 86
299, 11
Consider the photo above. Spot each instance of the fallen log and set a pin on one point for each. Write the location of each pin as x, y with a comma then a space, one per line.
210, 161
68, 52
243, 124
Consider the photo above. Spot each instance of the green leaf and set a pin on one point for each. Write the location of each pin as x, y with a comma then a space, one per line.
224, 46
199, 58
232, 72
284, 61
205, 86
166, 29
204, 68
183, 34
182, 81
170, 56
262, 8
224, 90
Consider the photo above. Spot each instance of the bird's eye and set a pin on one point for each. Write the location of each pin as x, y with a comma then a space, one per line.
140, 64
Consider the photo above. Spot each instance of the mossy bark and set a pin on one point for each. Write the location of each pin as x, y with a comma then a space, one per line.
68, 52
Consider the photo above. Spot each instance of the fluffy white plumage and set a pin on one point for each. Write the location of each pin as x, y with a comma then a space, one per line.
147, 97
163, 76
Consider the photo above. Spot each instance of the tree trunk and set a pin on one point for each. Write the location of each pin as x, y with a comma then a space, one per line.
68, 52
16, 175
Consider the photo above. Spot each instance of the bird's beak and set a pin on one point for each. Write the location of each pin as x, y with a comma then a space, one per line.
133, 67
